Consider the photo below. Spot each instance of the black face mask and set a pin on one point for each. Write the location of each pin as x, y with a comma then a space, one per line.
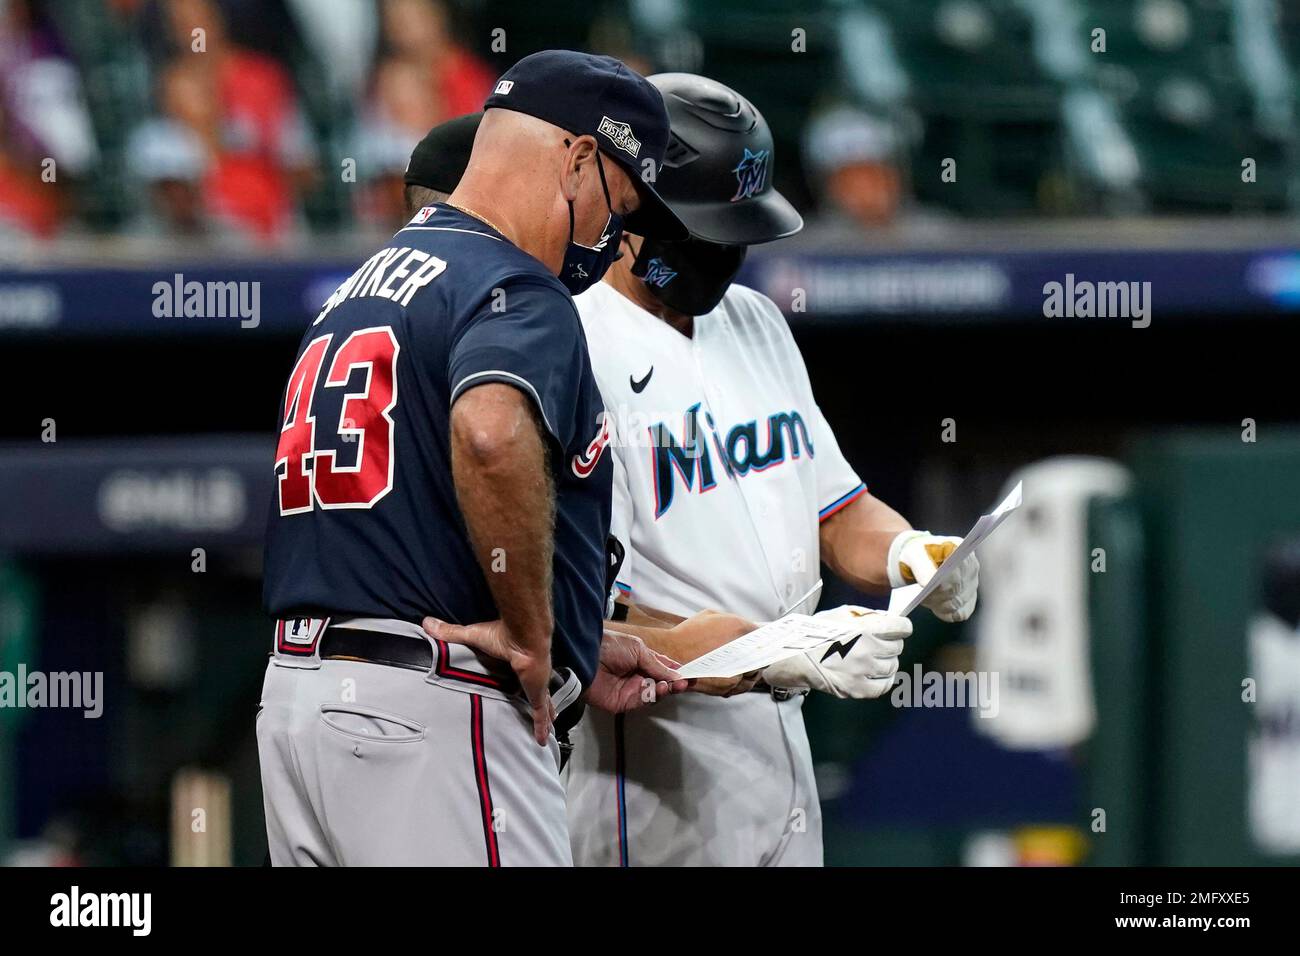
690, 277
584, 266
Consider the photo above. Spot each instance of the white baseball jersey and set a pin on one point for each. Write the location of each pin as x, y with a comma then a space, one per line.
723, 463
723, 469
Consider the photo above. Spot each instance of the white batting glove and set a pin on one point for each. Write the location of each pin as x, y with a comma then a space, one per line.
914, 556
862, 666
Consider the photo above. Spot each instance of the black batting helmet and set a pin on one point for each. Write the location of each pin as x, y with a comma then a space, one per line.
717, 170
439, 160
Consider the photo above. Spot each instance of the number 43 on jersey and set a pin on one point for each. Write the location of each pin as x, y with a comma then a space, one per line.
365, 420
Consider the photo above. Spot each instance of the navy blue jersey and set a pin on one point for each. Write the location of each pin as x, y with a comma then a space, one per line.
365, 519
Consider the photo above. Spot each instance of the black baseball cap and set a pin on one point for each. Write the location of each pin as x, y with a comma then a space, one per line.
601, 97
439, 160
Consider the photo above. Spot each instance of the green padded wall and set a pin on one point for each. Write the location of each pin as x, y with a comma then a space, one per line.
1212, 504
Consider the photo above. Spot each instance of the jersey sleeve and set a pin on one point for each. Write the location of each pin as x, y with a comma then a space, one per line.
534, 343
837, 483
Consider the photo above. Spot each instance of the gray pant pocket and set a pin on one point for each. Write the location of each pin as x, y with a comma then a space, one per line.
369, 723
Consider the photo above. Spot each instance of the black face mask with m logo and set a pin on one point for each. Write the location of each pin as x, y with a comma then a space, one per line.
689, 277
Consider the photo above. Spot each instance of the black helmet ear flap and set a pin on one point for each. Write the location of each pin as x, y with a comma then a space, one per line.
648, 250
679, 153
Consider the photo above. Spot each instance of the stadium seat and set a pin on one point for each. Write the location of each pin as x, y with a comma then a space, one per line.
750, 46
970, 59
1197, 91
984, 101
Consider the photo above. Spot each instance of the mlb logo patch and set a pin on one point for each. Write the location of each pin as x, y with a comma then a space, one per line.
298, 635
423, 216
504, 87
620, 134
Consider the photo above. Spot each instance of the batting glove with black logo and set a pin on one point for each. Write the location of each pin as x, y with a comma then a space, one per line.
861, 666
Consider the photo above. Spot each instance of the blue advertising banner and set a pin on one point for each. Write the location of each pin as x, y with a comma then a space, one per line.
134, 495
206, 299
812, 289
1024, 285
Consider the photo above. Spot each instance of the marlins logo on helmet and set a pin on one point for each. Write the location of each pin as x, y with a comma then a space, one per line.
751, 172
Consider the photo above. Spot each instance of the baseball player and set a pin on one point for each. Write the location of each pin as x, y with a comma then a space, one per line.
729, 490
441, 455
753, 804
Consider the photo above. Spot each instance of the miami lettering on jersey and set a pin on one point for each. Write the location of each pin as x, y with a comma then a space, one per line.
739, 452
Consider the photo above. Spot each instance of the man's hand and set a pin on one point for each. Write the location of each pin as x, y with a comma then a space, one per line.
704, 632
725, 686
707, 631
859, 667
688, 639
914, 556
533, 669
630, 675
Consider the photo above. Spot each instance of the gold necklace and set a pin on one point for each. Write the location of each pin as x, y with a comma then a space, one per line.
476, 215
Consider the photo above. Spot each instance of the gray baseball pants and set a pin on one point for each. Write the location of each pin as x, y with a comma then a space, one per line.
367, 764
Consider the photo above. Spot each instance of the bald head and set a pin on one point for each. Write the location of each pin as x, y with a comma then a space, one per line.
523, 176
512, 145
501, 132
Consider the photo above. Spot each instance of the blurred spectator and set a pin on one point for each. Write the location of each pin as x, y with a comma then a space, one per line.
241, 106
41, 91
399, 114
421, 78
856, 163
28, 206
45, 131
419, 31
172, 161
341, 35
855, 158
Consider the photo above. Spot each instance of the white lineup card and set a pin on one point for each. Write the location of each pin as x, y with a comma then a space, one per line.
782, 638
903, 601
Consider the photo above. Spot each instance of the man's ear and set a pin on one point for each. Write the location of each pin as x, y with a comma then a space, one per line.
581, 154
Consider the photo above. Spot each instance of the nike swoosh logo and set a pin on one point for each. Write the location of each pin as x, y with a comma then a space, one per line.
639, 387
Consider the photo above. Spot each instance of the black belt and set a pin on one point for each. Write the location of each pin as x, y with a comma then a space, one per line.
397, 650
777, 693
376, 647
